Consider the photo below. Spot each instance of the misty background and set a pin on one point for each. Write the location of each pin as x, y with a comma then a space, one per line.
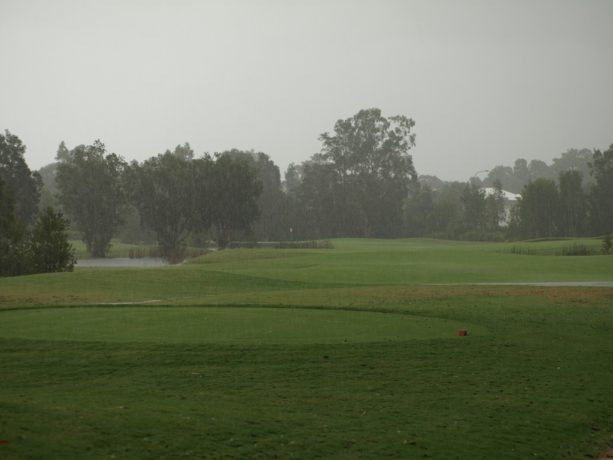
485, 81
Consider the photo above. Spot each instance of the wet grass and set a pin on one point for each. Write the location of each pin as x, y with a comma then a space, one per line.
531, 380
223, 325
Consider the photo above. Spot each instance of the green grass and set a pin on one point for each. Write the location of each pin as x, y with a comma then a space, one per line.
240, 325
345, 353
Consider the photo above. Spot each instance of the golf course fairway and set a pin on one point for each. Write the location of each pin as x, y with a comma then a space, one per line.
342, 353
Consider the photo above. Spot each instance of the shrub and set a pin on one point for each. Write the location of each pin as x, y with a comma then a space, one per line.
45, 249
577, 250
50, 250
606, 244
311, 244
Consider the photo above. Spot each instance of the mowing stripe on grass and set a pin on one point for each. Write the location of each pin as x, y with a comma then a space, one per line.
223, 325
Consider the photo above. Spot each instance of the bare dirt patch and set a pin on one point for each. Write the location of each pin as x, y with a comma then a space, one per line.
607, 455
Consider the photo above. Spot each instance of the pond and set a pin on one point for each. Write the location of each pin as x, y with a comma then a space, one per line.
122, 262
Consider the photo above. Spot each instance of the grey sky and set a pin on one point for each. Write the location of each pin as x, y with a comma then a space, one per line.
485, 81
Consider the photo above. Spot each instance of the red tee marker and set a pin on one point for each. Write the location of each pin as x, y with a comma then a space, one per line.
3, 441
462, 332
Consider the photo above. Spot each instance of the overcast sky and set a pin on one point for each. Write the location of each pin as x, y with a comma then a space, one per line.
485, 81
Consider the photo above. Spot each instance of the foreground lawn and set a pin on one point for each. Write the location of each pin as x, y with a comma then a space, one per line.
344, 353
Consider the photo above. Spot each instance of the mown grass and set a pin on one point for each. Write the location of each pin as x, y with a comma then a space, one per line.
223, 325
531, 380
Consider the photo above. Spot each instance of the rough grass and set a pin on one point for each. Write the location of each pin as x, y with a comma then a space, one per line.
559, 247
531, 380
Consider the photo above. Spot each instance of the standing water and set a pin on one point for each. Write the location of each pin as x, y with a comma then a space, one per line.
122, 262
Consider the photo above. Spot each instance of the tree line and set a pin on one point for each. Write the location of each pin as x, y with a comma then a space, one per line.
362, 183
174, 193
515, 178
566, 207
31, 241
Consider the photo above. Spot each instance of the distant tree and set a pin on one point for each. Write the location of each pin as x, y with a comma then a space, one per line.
7, 228
317, 200
45, 249
23, 184
7, 210
169, 192
293, 178
373, 171
14, 255
538, 209
433, 182
131, 230
49, 191
272, 223
50, 250
90, 183
573, 204
63, 154
418, 211
521, 173
515, 178
601, 195
494, 208
297, 222
574, 160
607, 243
448, 220
505, 175
540, 170
235, 189
473, 201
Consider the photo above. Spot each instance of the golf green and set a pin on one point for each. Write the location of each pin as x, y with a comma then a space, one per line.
240, 325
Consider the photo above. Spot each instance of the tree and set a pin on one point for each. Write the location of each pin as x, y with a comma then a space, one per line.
573, 210
447, 217
369, 155
538, 209
514, 179
50, 250
22, 184
7, 228
473, 201
90, 183
539, 169
575, 160
494, 208
607, 243
49, 191
45, 249
314, 202
171, 195
235, 189
601, 195
311, 192
7, 210
504, 175
272, 223
521, 173
418, 211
